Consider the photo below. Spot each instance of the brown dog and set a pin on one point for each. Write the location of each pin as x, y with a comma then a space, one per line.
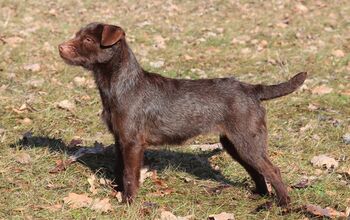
142, 108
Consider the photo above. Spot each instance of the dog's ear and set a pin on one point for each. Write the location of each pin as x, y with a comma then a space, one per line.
111, 34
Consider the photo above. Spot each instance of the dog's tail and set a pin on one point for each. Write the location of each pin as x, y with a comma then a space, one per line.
265, 92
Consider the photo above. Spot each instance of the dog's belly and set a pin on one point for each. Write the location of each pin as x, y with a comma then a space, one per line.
176, 130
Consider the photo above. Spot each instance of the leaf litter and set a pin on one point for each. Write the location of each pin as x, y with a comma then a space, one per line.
76, 201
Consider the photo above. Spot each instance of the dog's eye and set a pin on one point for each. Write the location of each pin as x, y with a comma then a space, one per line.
88, 40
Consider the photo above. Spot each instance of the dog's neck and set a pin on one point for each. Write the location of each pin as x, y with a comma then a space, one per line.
121, 73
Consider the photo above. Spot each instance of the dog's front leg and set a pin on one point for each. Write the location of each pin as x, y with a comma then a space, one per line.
133, 159
119, 166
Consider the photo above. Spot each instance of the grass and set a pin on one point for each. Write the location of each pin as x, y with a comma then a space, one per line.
197, 35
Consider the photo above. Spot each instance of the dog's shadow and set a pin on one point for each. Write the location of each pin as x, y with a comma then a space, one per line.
196, 164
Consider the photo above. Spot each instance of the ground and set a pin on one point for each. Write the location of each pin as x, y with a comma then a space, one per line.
254, 41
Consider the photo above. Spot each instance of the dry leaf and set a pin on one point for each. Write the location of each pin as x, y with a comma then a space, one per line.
338, 53
14, 40
321, 90
61, 165
346, 138
26, 121
117, 195
144, 174
324, 161
206, 147
35, 83
304, 182
157, 64
77, 200
159, 42
79, 81
91, 181
346, 92
222, 216
23, 158
166, 215
75, 142
67, 105
217, 189
246, 50
32, 67
52, 208
301, 8
312, 107
308, 126
188, 57
83, 201
101, 205
157, 181
324, 212
344, 171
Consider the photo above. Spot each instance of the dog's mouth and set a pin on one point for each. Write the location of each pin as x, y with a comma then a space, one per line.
69, 60
71, 57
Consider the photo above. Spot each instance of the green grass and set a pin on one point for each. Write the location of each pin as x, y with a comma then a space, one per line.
200, 30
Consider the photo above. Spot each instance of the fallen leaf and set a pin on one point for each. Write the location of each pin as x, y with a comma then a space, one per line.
144, 174
246, 50
346, 138
301, 8
312, 107
79, 81
101, 205
321, 90
157, 64
338, 53
23, 158
35, 83
187, 179
159, 42
318, 211
156, 180
26, 121
54, 186
188, 57
345, 171
91, 181
2, 131
52, 208
14, 40
166, 215
117, 195
281, 25
206, 147
308, 126
75, 142
61, 165
23, 107
217, 189
222, 216
32, 67
346, 92
77, 200
324, 161
83, 201
67, 105
304, 182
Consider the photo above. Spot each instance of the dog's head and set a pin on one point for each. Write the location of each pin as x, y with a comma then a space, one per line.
96, 43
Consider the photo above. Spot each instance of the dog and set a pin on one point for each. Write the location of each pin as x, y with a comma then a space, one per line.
142, 108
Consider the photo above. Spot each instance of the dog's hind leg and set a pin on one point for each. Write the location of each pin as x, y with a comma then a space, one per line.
249, 142
259, 180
